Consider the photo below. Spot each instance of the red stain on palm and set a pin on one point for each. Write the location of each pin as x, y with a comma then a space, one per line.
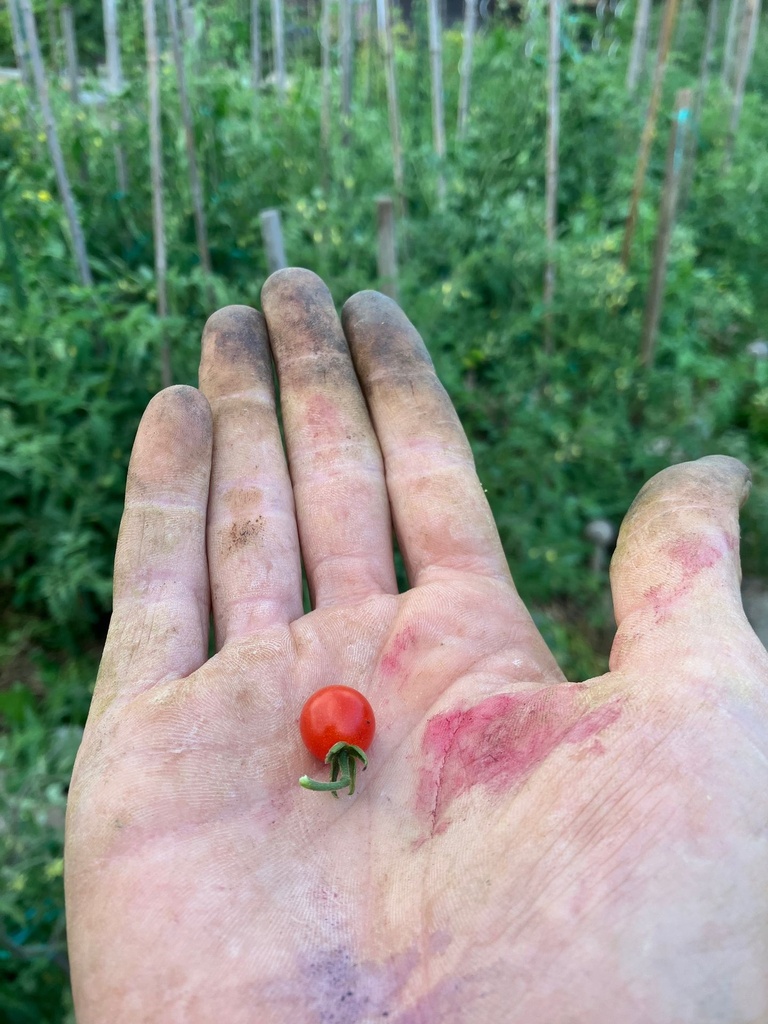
391, 660
499, 742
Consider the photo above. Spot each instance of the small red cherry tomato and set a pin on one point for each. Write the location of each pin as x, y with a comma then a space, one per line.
336, 714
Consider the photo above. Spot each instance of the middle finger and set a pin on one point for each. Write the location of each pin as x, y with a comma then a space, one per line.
336, 467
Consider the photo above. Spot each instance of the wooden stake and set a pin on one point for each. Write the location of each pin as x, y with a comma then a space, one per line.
649, 131
747, 38
278, 47
70, 48
465, 68
387, 249
553, 145
639, 45
54, 147
255, 46
438, 116
394, 111
156, 162
272, 234
672, 175
195, 188
325, 57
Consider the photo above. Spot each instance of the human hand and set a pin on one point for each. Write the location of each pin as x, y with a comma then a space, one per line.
521, 850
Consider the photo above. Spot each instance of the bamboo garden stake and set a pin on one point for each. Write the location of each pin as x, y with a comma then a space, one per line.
465, 68
438, 116
195, 187
553, 143
746, 48
278, 48
70, 48
325, 57
731, 35
156, 162
345, 53
187, 21
705, 68
54, 147
20, 49
392, 107
53, 37
115, 85
21, 53
639, 45
272, 234
255, 47
649, 131
672, 175
387, 248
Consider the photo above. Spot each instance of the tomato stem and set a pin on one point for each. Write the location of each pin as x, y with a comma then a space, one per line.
343, 758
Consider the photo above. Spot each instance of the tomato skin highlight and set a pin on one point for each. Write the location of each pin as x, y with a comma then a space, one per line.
336, 714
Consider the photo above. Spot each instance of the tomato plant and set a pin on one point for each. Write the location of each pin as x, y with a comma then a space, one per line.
337, 725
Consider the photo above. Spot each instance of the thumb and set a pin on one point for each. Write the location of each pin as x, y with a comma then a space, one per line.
676, 566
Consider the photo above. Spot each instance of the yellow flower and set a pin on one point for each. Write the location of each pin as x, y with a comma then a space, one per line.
55, 869
41, 136
44, 195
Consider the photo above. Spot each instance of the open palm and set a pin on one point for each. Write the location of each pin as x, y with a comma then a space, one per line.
521, 849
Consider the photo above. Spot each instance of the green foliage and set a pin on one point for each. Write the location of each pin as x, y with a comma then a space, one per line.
41, 703
559, 439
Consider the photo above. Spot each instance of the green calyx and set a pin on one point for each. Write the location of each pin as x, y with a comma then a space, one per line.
343, 758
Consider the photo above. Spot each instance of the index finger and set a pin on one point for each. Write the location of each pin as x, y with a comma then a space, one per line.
159, 625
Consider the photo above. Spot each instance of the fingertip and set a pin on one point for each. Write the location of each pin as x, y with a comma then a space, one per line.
182, 407
680, 538
366, 305
234, 350
229, 318
176, 429
289, 281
